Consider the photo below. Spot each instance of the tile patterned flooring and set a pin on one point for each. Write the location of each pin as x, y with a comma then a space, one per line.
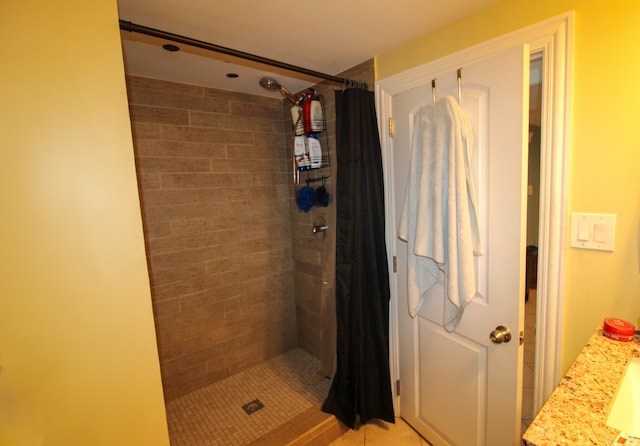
214, 415
381, 433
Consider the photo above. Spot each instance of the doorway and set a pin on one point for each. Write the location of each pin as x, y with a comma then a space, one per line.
553, 39
533, 217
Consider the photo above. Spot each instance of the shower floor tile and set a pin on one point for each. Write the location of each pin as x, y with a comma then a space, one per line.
214, 415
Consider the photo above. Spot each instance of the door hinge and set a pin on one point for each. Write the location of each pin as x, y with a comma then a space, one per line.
398, 388
392, 127
395, 264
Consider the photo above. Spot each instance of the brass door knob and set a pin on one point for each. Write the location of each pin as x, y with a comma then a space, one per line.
500, 334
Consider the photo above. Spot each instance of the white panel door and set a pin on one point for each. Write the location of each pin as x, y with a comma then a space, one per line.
460, 388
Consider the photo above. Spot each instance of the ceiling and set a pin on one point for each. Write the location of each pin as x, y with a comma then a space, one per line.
327, 36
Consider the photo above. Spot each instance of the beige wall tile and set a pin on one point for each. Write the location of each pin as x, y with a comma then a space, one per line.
218, 230
236, 274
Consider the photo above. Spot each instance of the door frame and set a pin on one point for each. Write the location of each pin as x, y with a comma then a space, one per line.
554, 37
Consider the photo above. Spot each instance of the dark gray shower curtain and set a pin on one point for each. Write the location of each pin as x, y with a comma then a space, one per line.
361, 386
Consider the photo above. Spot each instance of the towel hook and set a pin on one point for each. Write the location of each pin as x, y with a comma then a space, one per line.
433, 89
460, 86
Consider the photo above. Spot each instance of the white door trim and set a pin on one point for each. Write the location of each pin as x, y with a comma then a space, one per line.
555, 38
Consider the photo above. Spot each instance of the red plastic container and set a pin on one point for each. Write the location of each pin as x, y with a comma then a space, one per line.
618, 330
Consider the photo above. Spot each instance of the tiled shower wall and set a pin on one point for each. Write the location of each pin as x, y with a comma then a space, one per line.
214, 186
225, 240
314, 259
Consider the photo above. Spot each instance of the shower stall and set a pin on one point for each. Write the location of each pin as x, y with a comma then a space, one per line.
239, 283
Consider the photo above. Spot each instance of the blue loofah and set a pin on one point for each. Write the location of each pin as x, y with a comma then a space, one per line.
305, 198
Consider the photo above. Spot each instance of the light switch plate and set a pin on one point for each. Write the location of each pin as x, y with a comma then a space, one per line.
593, 231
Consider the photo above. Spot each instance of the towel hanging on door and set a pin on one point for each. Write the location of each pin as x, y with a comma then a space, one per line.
439, 218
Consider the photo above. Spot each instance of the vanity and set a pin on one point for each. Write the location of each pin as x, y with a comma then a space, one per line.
577, 410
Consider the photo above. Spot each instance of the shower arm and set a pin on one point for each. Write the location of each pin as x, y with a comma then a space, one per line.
140, 29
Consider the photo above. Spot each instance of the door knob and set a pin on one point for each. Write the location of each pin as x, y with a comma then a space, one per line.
500, 334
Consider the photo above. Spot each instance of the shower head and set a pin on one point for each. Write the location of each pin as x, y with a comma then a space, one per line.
272, 84
269, 83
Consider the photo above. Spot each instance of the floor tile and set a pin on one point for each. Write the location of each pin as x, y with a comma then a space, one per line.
214, 415
351, 438
381, 433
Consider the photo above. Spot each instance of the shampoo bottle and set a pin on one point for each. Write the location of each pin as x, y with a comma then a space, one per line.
315, 151
301, 153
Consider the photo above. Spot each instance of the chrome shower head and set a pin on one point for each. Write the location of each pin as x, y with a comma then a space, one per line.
269, 83
272, 84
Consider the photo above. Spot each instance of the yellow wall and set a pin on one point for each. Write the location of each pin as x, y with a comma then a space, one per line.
78, 357
605, 152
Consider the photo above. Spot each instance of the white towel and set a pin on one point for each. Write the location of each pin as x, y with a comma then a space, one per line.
439, 218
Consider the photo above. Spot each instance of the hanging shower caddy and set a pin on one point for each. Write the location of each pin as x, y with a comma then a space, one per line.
311, 145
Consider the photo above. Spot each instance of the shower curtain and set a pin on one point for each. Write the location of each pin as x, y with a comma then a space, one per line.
361, 386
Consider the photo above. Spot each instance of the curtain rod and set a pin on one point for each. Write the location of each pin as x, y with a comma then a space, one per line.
132, 27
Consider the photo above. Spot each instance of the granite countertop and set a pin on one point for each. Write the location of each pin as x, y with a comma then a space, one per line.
577, 410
